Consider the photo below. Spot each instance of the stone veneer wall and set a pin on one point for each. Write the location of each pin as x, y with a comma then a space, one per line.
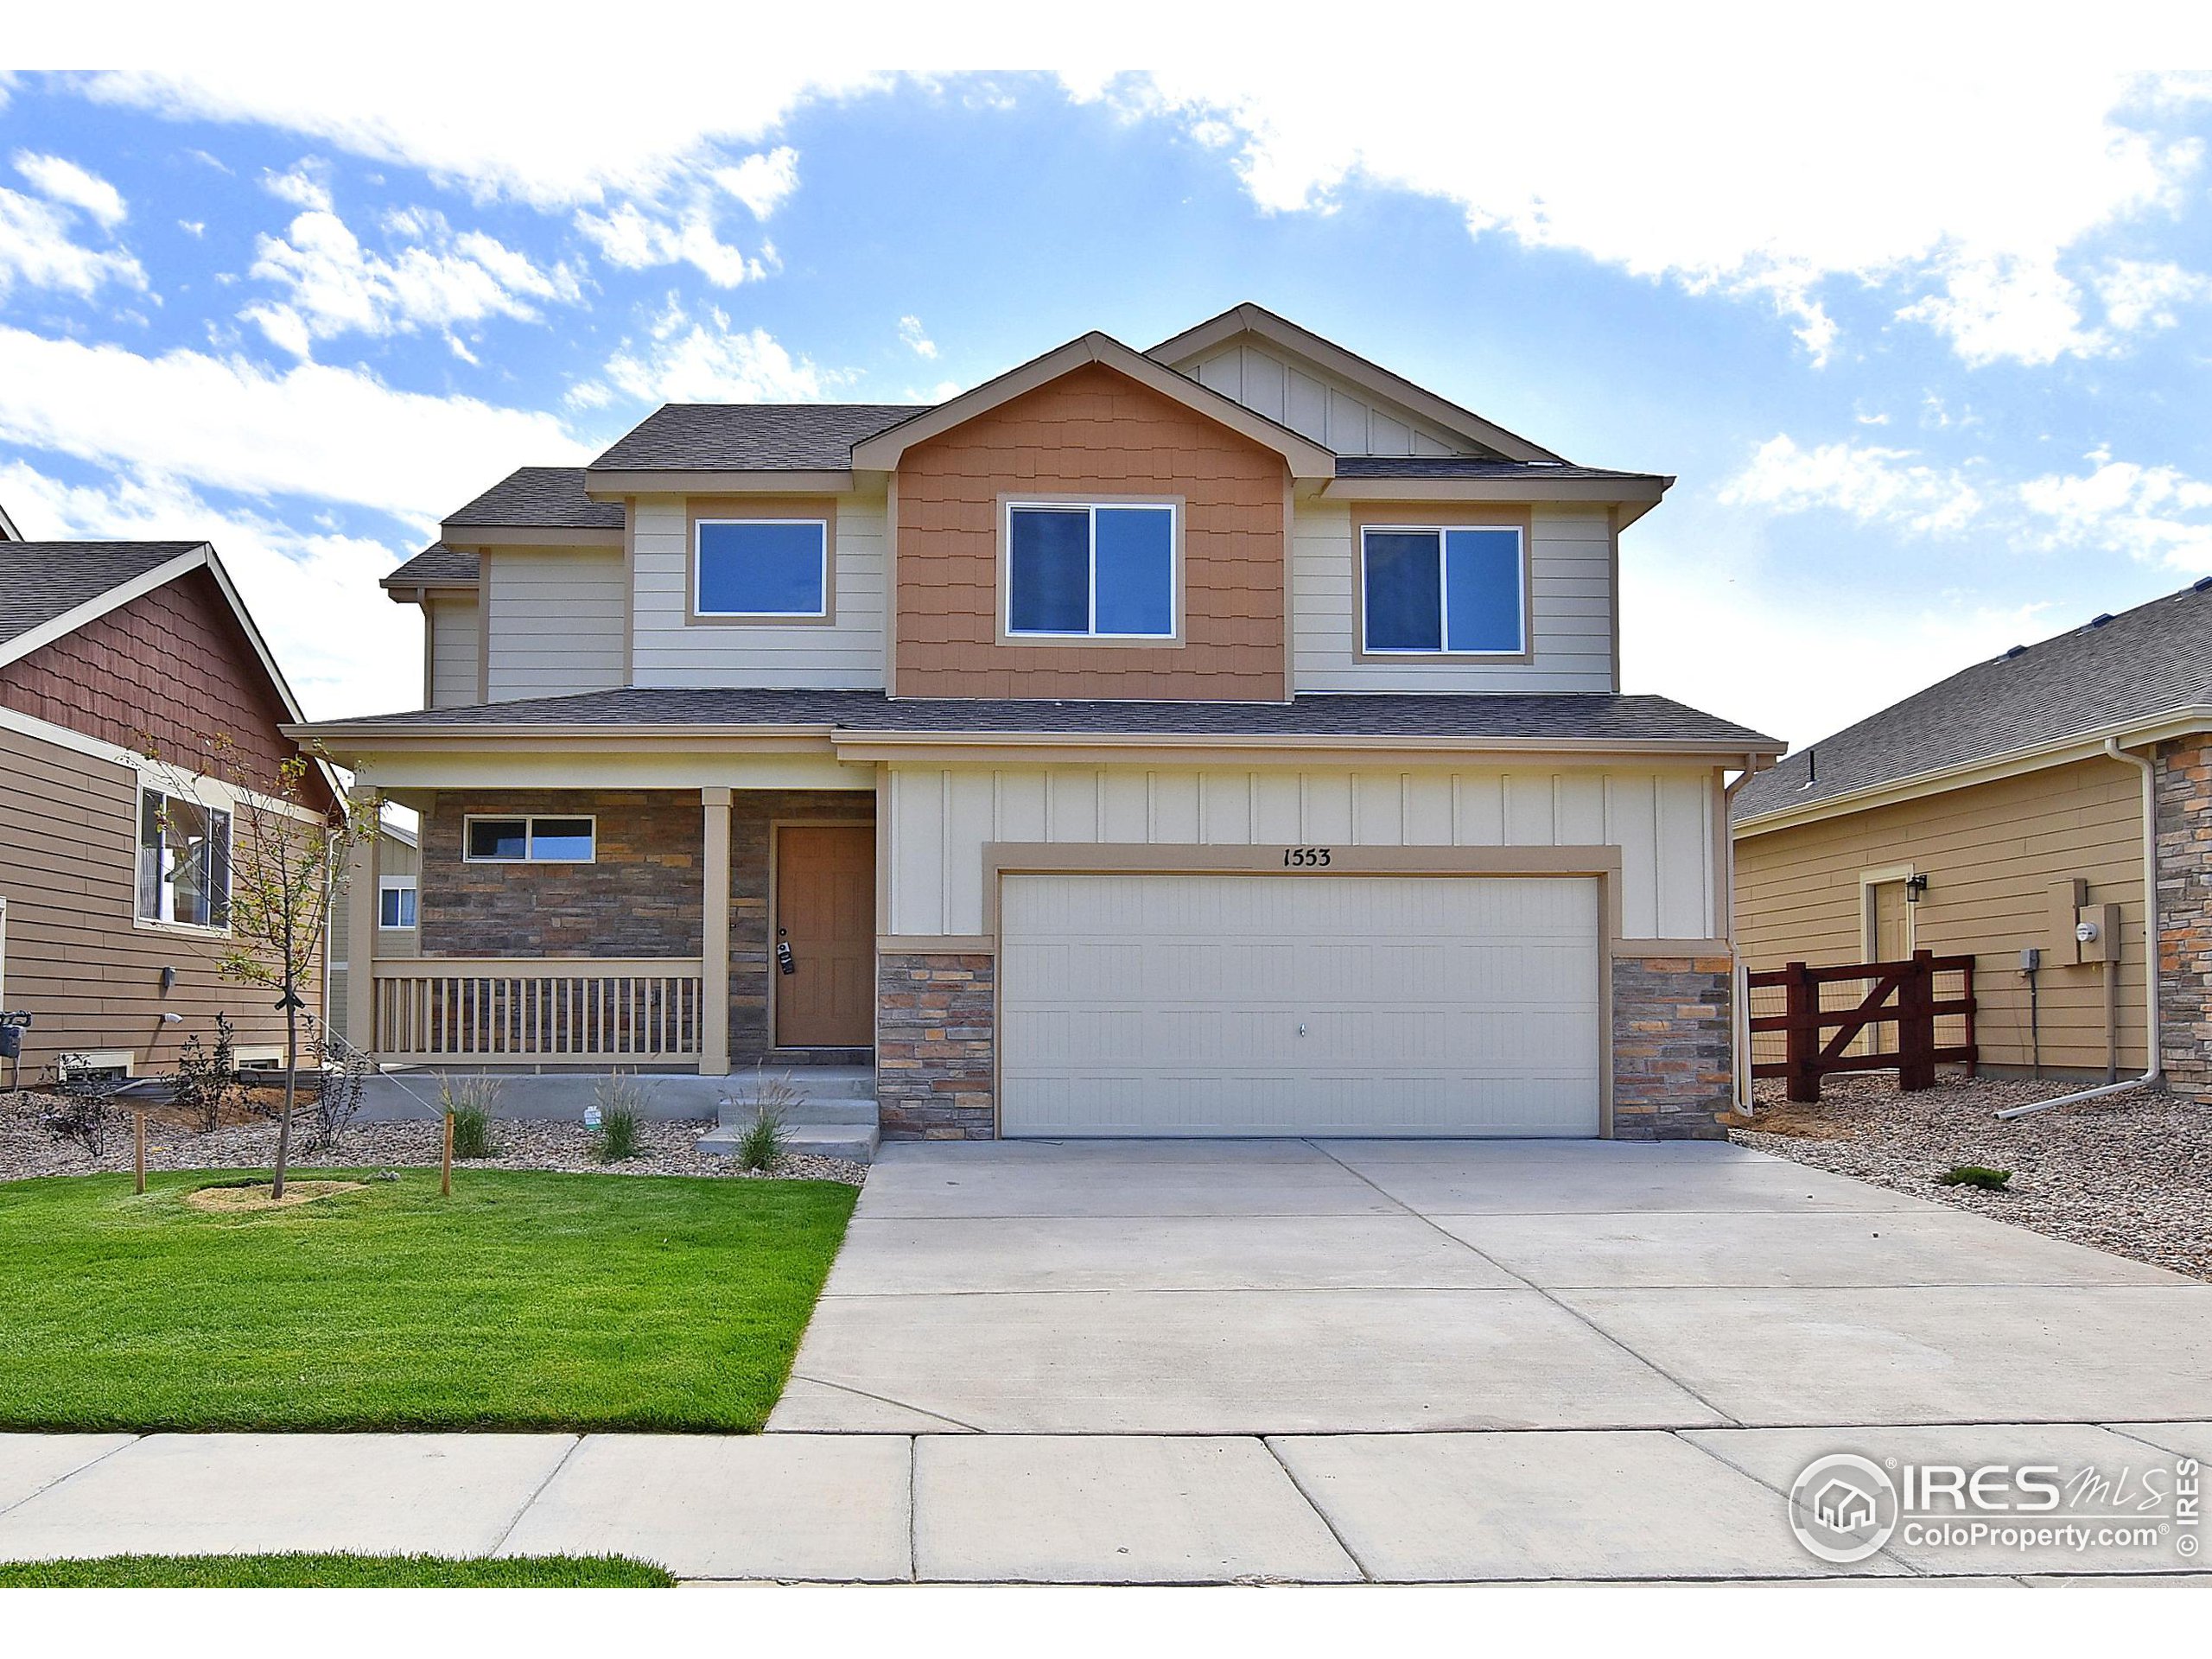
2183, 787
640, 896
934, 1037
754, 812
1673, 1053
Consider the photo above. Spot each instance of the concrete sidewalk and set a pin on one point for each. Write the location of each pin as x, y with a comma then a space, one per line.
1632, 1505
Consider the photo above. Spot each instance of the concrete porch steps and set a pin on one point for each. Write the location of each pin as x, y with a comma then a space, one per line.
834, 1117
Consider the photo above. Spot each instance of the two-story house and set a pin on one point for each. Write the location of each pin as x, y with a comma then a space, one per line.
1224, 739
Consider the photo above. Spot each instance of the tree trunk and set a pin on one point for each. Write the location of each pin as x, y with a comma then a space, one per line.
291, 1082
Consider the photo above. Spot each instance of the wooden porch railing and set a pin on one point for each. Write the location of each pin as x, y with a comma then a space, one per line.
1899, 994
600, 1008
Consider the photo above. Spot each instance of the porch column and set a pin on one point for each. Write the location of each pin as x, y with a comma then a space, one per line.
361, 936
713, 937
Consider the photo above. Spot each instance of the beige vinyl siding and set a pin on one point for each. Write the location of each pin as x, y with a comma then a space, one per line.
1312, 401
449, 635
1571, 585
940, 818
845, 654
393, 857
555, 620
88, 973
1990, 854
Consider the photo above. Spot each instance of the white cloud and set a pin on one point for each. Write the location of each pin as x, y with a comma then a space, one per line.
566, 132
305, 186
329, 434
911, 331
637, 240
1871, 483
38, 249
333, 285
2151, 512
1720, 176
685, 362
761, 182
64, 182
192, 227
2142, 295
344, 648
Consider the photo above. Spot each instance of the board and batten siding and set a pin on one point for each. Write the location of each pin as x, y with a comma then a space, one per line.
1571, 583
938, 820
846, 654
1990, 854
555, 620
451, 636
1317, 404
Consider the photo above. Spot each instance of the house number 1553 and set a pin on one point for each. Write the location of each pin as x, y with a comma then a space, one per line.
1305, 857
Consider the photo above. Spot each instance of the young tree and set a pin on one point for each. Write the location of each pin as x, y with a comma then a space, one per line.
283, 862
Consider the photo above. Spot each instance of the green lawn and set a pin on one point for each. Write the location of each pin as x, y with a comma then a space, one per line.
335, 1572
523, 1301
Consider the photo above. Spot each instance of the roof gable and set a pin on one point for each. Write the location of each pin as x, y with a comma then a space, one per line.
8, 531
49, 589
1305, 458
2151, 663
1209, 352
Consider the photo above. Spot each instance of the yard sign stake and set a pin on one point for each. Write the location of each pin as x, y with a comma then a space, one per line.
138, 1153
445, 1166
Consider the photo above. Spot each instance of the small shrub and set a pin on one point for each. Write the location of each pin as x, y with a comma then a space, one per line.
205, 1082
471, 1105
84, 1108
1989, 1180
338, 1094
770, 1100
621, 1103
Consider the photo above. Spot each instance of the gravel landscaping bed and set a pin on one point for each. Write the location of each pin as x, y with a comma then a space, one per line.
27, 1148
2131, 1173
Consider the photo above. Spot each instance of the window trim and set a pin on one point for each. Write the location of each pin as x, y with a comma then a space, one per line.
412, 884
530, 822
1175, 507
198, 930
1519, 524
761, 511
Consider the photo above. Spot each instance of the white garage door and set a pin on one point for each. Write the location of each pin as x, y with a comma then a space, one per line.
1352, 1005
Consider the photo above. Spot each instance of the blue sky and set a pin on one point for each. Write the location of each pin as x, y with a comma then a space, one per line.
1931, 383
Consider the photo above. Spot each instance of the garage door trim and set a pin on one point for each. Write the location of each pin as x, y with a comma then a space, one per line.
1600, 863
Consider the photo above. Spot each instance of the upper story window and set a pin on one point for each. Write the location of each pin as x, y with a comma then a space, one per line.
1443, 590
748, 569
1078, 571
396, 902
528, 841
184, 861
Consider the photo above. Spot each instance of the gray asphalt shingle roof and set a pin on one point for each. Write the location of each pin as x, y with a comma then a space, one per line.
751, 437
436, 566
40, 580
1570, 716
540, 498
2153, 660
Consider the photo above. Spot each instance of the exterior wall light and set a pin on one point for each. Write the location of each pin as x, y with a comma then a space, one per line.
1915, 886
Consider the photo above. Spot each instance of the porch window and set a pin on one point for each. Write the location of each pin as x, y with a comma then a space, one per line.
530, 841
396, 902
1105, 572
761, 567
1442, 591
184, 861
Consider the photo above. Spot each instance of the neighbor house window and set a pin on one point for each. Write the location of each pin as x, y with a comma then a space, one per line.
761, 567
396, 902
530, 841
1442, 590
1103, 572
184, 861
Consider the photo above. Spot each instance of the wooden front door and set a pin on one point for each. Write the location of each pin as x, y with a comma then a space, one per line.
1891, 924
825, 913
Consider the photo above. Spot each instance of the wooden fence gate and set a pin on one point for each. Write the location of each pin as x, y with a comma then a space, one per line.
1902, 994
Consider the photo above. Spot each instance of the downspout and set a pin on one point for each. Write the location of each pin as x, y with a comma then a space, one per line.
1739, 994
2156, 1074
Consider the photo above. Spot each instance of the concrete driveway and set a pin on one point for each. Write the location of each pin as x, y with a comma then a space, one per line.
1347, 1287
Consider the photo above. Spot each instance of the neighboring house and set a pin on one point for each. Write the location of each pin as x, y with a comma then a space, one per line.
1221, 739
8, 531
396, 861
114, 874
1997, 812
